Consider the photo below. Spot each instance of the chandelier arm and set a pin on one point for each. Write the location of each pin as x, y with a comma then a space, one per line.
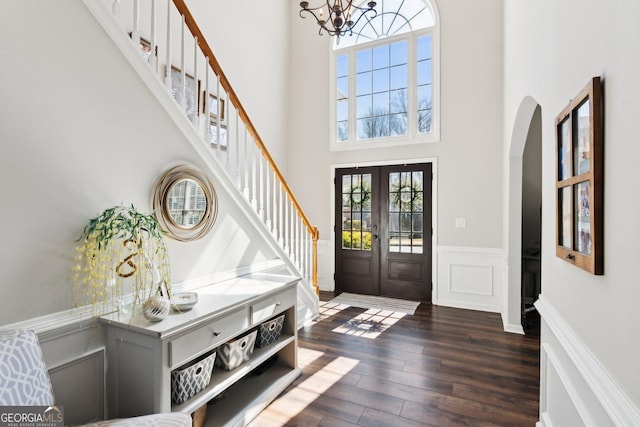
310, 11
375, 13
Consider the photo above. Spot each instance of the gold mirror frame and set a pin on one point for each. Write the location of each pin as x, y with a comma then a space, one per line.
161, 203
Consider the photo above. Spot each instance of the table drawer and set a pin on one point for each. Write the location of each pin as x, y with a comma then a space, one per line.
268, 307
206, 337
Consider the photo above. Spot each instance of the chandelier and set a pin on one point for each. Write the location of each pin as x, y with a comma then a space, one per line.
339, 20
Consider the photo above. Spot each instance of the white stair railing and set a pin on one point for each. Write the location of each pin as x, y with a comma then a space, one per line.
165, 32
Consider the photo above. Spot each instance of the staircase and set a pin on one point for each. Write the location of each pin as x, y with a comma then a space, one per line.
219, 129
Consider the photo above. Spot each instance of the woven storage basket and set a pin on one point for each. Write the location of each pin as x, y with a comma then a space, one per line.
269, 332
189, 379
235, 352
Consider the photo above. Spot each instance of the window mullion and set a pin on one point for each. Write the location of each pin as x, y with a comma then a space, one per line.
412, 89
352, 99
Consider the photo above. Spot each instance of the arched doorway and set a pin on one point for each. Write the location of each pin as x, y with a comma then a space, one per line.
523, 209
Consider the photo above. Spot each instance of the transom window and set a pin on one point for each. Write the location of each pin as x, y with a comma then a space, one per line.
385, 85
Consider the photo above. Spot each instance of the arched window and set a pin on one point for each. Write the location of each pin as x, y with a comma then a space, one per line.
385, 76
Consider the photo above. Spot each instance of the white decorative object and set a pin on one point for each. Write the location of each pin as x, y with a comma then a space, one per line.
184, 301
156, 307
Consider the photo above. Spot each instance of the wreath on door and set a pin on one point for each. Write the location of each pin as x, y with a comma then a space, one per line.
358, 196
405, 194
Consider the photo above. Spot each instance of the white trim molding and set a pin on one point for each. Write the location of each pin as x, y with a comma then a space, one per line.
469, 278
575, 389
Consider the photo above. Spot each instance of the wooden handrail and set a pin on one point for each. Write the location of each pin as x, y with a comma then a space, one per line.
233, 98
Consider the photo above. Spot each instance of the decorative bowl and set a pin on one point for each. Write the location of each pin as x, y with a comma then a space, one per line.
184, 301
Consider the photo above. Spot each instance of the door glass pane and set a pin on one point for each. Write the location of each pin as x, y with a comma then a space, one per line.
405, 221
394, 242
406, 218
417, 222
405, 242
416, 244
356, 216
394, 222
417, 202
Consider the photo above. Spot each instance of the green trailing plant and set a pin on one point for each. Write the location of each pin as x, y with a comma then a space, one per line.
121, 251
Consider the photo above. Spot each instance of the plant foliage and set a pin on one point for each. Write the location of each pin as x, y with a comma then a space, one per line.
121, 251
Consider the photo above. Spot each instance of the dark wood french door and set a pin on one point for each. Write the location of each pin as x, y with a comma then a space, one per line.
383, 231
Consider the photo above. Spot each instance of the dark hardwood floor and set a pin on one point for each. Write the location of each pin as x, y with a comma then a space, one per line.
439, 367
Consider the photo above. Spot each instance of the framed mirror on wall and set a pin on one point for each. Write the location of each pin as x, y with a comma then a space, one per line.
185, 203
579, 180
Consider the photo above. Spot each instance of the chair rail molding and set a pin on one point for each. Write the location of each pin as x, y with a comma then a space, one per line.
574, 386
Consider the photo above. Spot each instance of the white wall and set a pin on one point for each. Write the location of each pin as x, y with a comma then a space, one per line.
469, 154
552, 49
469, 168
80, 132
251, 42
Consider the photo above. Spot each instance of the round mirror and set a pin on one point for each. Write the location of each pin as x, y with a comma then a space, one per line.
185, 203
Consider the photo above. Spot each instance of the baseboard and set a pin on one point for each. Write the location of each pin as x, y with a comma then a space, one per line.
467, 305
574, 384
511, 327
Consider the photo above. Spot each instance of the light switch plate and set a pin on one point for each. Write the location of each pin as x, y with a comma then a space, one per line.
461, 222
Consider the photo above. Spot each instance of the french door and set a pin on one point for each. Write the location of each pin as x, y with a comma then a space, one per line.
383, 231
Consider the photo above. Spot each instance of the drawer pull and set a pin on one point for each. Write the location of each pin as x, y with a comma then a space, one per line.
278, 304
216, 333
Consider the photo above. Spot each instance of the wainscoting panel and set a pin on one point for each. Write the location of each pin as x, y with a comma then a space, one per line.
79, 386
575, 389
470, 278
326, 265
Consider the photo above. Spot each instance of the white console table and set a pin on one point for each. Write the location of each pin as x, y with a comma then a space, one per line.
141, 354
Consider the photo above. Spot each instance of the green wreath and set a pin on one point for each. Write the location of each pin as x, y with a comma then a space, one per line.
399, 193
358, 196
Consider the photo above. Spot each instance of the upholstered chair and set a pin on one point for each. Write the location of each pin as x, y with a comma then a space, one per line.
24, 381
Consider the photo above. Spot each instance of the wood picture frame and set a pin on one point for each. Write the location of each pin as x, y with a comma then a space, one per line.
145, 48
214, 133
192, 91
580, 180
213, 106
